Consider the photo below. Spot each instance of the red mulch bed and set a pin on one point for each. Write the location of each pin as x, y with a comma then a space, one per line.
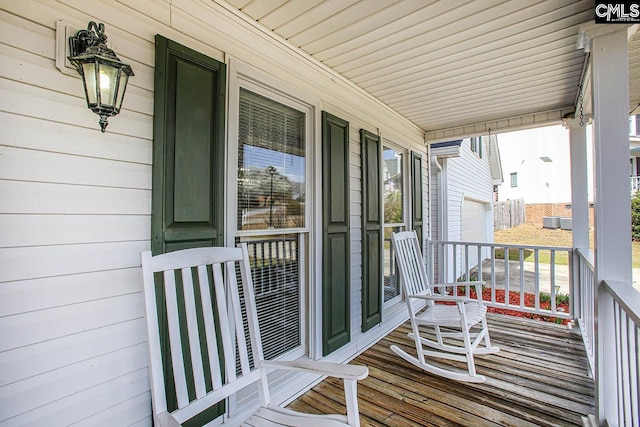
514, 299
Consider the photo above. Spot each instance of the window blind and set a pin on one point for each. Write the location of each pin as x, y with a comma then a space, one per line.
271, 164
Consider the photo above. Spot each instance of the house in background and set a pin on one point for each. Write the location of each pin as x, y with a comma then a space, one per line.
463, 176
537, 168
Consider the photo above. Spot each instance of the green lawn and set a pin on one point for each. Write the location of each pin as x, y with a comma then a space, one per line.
531, 234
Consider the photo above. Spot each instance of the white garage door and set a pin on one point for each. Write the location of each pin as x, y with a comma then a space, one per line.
474, 227
474, 221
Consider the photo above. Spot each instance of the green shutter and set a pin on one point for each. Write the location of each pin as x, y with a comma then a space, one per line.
188, 170
372, 230
188, 149
417, 211
335, 237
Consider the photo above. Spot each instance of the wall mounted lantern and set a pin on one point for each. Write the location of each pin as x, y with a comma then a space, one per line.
104, 76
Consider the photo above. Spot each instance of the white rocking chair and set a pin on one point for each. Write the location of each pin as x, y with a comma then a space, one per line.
455, 341
214, 340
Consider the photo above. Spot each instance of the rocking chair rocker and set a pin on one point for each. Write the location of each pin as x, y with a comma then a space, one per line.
214, 340
451, 323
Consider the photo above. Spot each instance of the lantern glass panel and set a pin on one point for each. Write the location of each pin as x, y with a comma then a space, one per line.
108, 79
89, 71
122, 86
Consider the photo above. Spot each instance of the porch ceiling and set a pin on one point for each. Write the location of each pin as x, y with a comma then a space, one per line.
455, 67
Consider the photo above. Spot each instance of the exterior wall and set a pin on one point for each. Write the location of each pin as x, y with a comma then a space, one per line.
538, 181
467, 177
75, 204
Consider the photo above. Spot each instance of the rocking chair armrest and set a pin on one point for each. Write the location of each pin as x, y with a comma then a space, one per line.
337, 370
477, 284
164, 419
442, 298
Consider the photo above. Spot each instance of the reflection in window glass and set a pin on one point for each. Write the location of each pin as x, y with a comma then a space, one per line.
392, 174
393, 214
271, 164
275, 269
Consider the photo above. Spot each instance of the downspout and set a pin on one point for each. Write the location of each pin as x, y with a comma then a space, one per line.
442, 217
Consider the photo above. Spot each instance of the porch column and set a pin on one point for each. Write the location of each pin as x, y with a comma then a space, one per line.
579, 183
610, 81
579, 204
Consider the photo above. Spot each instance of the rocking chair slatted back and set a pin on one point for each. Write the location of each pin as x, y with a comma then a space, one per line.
194, 282
214, 339
410, 264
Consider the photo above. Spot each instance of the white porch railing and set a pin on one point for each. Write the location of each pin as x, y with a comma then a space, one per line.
618, 353
615, 321
635, 184
584, 302
528, 286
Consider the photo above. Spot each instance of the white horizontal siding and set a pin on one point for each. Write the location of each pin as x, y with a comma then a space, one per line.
30, 295
109, 398
51, 229
468, 178
74, 215
44, 198
75, 204
63, 138
29, 165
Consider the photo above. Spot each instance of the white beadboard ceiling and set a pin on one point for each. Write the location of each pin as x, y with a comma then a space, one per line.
449, 66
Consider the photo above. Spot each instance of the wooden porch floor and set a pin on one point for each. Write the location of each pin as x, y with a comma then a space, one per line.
539, 378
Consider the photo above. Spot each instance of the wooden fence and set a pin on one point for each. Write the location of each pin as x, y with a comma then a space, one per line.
508, 213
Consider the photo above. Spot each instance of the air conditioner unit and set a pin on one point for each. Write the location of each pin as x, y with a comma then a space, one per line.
565, 223
551, 222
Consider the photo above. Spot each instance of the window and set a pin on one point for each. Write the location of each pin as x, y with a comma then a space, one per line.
272, 169
476, 145
514, 179
275, 270
271, 164
392, 173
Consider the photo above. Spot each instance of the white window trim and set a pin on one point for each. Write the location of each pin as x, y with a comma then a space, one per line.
249, 77
386, 143
241, 74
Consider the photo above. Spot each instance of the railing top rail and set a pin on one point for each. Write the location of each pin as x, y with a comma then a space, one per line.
587, 255
501, 245
626, 296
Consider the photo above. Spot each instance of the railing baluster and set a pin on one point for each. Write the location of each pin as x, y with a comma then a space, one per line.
455, 262
466, 263
521, 256
493, 274
467, 276
480, 265
506, 277
536, 277
634, 334
552, 280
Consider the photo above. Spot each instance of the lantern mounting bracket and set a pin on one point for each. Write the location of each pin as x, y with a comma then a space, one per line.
93, 36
